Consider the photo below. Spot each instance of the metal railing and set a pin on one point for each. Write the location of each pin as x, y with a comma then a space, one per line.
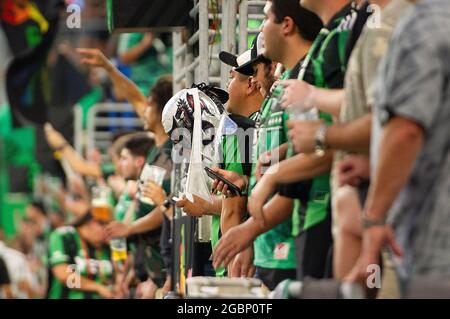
190, 67
104, 120
244, 16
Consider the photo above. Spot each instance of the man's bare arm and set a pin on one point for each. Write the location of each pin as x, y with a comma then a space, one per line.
60, 272
240, 237
135, 52
400, 145
124, 86
233, 212
151, 221
353, 136
329, 100
300, 167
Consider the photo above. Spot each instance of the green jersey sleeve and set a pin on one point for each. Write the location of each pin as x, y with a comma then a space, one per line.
57, 251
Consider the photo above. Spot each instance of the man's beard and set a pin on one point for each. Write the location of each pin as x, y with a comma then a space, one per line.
132, 177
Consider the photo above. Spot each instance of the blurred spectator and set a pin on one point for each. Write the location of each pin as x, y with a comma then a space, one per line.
37, 216
19, 271
75, 161
410, 160
147, 57
5, 282
80, 265
56, 219
132, 160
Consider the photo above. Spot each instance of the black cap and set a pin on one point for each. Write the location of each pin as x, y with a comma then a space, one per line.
244, 62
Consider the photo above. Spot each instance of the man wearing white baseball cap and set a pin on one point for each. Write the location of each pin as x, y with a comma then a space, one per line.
244, 63
243, 105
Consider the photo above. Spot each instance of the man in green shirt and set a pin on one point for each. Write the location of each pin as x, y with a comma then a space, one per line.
79, 261
132, 160
243, 105
324, 67
297, 28
312, 210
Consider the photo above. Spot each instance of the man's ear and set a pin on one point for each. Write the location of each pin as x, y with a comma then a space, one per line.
140, 161
273, 67
252, 86
288, 26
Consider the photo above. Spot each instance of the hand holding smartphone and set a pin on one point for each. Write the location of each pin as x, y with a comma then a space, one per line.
231, 187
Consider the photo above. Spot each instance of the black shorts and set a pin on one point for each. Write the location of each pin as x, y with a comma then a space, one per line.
313, 249
202, 263
272, 277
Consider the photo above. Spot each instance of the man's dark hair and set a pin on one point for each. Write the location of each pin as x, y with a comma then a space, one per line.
119, 133
267, 70
84, 219
139, 145
39, 205
307, 22
162, 91
268, 74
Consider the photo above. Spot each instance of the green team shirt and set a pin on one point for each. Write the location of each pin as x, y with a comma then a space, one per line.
311, 197
325, 70
65, 247
215, 235
149, 67
328, 63
235, 158
122, 206
275, 248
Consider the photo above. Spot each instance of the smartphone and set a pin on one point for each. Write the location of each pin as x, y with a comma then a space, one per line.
231, 187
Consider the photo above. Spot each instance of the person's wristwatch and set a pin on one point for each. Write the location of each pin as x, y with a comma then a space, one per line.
61, 147
369, 222
244, 191
321, 144
165, 206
